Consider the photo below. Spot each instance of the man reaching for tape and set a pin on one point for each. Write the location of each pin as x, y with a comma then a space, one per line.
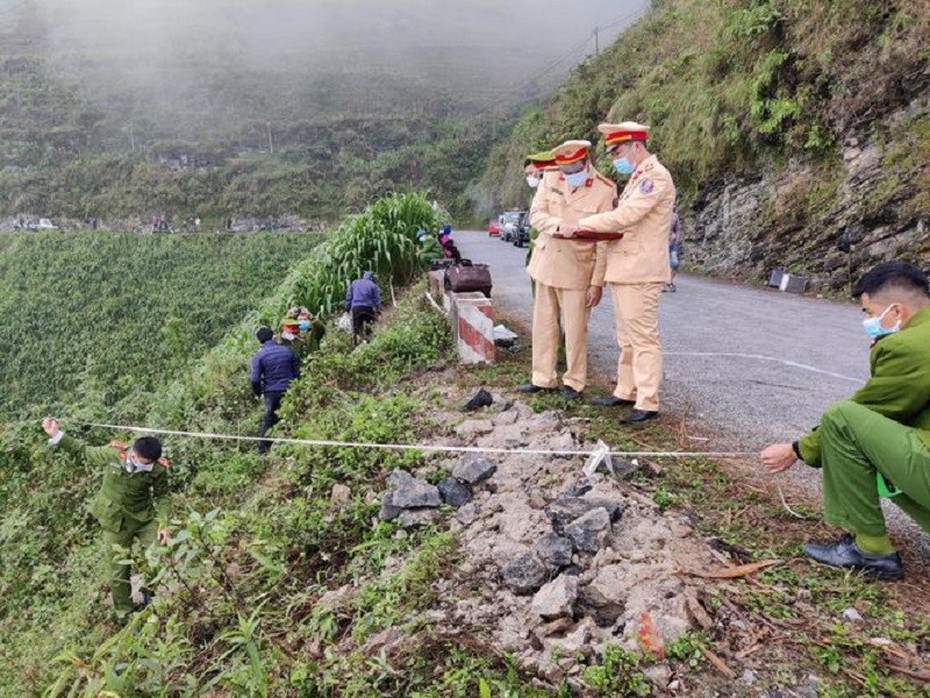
877, 443
131, 506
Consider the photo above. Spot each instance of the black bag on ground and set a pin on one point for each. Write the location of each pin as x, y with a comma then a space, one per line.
465, 276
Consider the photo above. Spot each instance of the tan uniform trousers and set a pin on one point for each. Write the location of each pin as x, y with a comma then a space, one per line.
549, 305
639, 369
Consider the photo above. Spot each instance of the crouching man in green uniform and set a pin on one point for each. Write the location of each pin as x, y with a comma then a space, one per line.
877, 443
131, 506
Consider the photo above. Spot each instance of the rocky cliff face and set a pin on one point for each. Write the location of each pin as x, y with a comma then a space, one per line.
828, 221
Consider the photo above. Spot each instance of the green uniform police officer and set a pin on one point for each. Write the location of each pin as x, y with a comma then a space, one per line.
132, 504
877, 442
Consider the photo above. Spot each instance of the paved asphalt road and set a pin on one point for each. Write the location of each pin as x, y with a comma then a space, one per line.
751, 366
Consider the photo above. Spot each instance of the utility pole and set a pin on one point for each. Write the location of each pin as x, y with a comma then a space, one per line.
597, 42
270, 140
132, 139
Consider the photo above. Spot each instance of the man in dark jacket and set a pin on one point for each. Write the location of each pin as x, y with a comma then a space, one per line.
274, 366
363, 300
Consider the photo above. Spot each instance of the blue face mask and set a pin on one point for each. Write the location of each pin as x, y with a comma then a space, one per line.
577, 179
873, 326
304, 325
624, 166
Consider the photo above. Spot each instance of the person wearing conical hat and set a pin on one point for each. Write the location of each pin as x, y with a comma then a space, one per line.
569, 274
637, 265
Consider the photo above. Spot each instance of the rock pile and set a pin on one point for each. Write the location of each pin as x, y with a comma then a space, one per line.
556, 566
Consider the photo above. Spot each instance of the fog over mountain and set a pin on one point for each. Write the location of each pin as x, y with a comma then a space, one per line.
294, 58
112, 108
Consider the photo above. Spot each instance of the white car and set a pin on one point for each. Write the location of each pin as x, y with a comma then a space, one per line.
46, 224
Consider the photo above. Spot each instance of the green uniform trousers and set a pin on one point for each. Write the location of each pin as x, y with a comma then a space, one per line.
117, 549
855, 443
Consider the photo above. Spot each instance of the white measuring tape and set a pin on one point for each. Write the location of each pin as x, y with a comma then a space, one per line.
432, 448
594, 456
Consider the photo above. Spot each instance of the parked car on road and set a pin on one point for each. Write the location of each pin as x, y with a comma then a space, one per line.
494, 228
43, 224
510, 225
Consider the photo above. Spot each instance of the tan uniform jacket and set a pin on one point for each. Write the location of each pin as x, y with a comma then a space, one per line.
644, 216
567, 263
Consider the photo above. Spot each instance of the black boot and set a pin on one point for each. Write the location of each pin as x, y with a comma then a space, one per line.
846, 554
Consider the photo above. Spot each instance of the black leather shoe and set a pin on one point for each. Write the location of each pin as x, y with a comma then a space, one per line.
569, 393
611, 401
845, 553
637, 416
530, 388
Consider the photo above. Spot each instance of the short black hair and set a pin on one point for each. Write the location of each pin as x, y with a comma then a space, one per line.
264, 334
903, 276
147, 447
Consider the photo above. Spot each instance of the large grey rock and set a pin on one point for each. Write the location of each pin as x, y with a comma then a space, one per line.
472, 468
556, 599
505, 418
606, 596
411, 493
554, 550
524, 573
453, 492
564, 510
575, 643
399, 478
588, 532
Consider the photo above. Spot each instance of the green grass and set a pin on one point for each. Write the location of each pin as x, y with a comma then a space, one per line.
103, 318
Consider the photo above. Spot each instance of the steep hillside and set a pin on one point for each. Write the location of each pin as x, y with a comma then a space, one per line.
797, 132
105, 319
49, 543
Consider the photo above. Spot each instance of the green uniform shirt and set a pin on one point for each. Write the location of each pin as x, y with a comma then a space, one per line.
899, 386
141, 496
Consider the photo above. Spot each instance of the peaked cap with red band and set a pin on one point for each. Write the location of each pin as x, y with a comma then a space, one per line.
542, 160
615, 134
571, 152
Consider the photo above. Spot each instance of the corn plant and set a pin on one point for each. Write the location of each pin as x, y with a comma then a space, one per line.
382, 239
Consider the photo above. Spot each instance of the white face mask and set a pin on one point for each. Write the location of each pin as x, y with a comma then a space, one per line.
873, 325
134, 466
532, 182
